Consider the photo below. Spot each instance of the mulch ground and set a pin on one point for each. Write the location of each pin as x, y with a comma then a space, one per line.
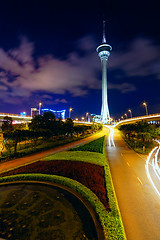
90, 175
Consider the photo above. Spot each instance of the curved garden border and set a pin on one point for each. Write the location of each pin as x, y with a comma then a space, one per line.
90, 201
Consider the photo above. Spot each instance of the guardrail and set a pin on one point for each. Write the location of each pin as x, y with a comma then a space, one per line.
146, 117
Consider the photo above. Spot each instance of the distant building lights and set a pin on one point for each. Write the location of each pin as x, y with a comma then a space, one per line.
23, 114
61, 112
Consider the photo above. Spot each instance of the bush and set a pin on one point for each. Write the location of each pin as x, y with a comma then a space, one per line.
94, 146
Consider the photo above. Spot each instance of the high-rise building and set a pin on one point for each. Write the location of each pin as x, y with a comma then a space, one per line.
103, 52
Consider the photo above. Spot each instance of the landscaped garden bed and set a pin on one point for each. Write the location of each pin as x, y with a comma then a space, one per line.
38, 212
88, 165
90, 175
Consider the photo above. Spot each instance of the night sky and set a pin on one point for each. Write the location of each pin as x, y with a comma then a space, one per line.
48, 54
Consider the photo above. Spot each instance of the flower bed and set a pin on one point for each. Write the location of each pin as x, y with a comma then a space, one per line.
90, 175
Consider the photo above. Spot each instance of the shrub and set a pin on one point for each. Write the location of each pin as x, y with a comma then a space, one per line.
94, 146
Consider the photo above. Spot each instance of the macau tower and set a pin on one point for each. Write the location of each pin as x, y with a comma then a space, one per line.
103, 52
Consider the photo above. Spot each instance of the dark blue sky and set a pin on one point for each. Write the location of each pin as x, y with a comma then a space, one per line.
48, 54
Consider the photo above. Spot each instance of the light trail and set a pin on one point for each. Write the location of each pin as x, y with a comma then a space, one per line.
110, 137
153, 156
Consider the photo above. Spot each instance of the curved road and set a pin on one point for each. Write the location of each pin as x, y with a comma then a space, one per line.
138, 201
9, 165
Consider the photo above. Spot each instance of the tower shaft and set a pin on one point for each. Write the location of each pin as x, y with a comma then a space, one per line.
103, 52
104, 109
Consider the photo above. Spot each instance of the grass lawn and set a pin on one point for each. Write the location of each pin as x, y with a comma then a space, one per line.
83, 156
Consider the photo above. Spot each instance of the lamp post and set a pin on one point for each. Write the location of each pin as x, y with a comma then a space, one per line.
86, 116
130, 112
40, 105
122, 117
82, 118
125, 115
70, 110
145, 105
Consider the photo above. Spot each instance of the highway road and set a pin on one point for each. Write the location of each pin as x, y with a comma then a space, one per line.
138, 200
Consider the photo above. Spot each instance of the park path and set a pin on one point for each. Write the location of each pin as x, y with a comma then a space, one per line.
18, 162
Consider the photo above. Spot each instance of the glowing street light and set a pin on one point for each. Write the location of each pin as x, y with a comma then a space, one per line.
40, 105
122, 117
82, 118
86, 116
130, 112
145, 105
70, 110
125, 115
76, 119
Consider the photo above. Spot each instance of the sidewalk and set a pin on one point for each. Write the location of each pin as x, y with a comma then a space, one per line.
12, 164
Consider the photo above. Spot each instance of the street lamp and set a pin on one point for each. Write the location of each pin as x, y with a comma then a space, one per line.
82, 118
70, 110
125, 115
122, 117
86, 116
130, 112
40, 105
145, 105
32, 110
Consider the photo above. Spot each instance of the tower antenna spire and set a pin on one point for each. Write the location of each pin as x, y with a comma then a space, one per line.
104, 35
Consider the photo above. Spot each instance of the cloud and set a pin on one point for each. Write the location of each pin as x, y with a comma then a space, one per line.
23, 54
51, 75
123, 88
21, 75
57, 100
140, 59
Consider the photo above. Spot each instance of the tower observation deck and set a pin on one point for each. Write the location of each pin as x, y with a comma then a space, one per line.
103, 52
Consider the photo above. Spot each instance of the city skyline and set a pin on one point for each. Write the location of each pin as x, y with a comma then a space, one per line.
48, 54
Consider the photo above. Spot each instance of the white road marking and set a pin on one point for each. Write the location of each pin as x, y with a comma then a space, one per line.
128, 164
139, 180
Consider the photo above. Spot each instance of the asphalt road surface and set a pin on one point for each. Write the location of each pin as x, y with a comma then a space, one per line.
138, 201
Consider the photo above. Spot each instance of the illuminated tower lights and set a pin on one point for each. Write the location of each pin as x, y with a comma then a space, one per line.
103, 52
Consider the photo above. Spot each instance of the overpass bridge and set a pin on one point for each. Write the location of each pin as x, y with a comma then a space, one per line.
15, 117
148, 118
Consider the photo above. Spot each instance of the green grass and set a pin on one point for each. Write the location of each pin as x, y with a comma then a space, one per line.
89, 157
94, 146
112, 221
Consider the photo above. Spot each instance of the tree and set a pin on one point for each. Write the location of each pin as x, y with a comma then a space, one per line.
36, 123
68, 126
7, 124
47, 121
